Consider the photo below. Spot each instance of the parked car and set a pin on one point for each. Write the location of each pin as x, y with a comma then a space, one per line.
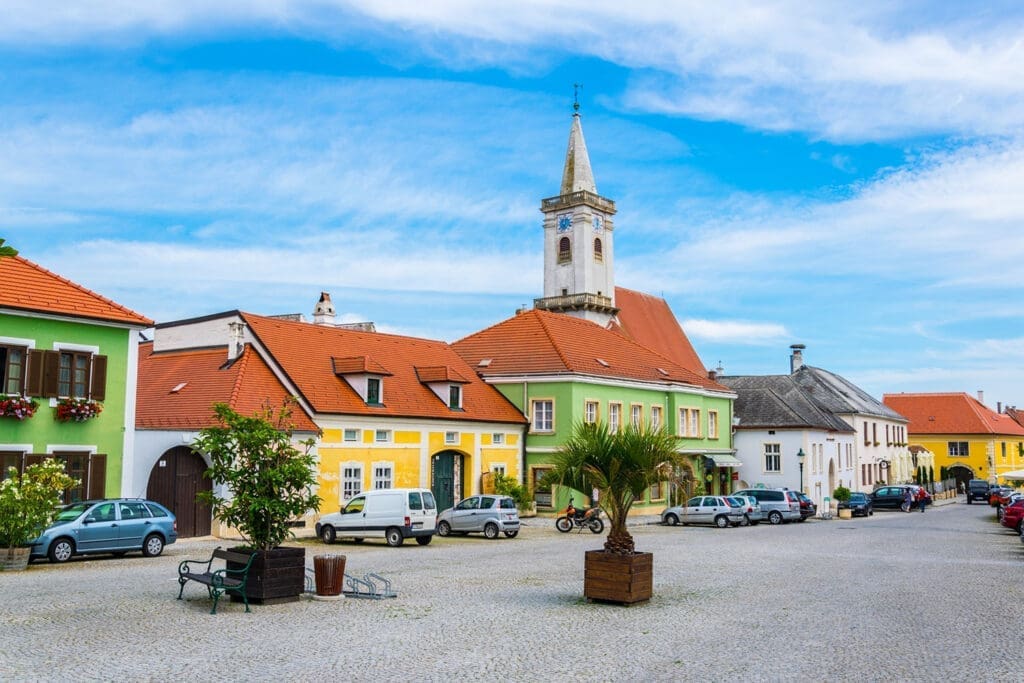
977, 489
891, 497
715, 510
778, 505
859, 504
112, 525
752, 511
807, 506
490, 514
1013, 514
1000, 496
391, 514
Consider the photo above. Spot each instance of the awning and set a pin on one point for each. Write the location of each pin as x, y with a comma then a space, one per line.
725, 461
1016, 474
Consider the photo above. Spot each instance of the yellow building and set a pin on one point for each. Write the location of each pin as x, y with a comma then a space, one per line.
969, 440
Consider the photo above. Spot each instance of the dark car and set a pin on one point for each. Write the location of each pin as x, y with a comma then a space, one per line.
977, 489
859, 504
807, 506
891, 497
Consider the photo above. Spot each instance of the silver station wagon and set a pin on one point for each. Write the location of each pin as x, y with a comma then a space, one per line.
490, 514
717, 510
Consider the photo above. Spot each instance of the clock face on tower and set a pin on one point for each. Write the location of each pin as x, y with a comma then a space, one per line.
564, 222
598, 224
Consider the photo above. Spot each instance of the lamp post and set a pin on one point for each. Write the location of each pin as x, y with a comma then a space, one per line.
800, 460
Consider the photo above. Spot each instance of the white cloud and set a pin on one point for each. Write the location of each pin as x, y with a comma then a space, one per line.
736, 331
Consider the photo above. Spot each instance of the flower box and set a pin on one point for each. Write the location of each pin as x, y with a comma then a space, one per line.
18, 407
77, 409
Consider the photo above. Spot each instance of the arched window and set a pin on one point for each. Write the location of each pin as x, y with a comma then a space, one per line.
598, 250
564, 250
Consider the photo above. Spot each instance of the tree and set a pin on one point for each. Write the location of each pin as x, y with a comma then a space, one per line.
7, 251
841, 494
621, 465
269, 480
28, 503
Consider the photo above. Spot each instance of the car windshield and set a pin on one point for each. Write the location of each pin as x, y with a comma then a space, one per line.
71, 512
735, 502
858, 498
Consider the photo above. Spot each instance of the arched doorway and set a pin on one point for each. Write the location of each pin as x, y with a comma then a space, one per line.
962, 474
447, 476
174, 481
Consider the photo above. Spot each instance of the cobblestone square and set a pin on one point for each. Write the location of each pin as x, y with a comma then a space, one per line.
932, 596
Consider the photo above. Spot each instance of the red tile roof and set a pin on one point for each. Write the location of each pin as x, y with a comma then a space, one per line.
950, 413
649, 321
541, 342
25, 286
304, 352
357, 365
201, 379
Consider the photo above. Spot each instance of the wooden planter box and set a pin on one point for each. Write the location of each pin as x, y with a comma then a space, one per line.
624, 579
276, 576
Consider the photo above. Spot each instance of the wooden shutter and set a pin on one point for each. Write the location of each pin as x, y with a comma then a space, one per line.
34, 386
51, 373
98, 381
97, 476
35, 459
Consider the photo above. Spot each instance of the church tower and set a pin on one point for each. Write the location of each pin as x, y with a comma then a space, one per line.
579, 258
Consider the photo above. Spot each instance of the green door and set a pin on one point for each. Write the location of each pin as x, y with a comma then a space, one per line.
444, 479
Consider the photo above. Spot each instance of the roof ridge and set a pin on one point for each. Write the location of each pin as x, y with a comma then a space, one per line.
556, 347
345, 330
242, 363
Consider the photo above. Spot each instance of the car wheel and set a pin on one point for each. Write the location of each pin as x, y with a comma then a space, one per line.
596, 526
327, 534
153, 545
870, 512
1020, 525
671, 519
999, 514
968, 500
394, 536
512, 534
721, 521
491, 530
746, 520
563, 524
423, 540
61, 550
775, 517
444, 528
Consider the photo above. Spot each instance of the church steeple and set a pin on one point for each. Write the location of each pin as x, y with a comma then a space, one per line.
579, 273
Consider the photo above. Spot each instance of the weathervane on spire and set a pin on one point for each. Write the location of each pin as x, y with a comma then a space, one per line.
575, 98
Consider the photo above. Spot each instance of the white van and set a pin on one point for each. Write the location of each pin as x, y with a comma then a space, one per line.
391, 514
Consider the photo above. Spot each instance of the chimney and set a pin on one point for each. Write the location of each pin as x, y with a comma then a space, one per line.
323, 312
981, 397
236, 339
999, 407
796, 361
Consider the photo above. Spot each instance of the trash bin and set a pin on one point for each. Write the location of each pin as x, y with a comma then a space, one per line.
329, 571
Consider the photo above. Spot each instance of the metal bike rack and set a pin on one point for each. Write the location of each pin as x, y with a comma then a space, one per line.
371, 587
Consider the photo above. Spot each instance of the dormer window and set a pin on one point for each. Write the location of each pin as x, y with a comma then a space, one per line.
364, 375
373, 391
454, 396
445, 382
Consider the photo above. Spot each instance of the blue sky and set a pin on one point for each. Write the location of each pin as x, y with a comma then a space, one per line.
847, 177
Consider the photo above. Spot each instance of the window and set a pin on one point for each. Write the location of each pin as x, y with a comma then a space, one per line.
655, 417
451, 437
867, 439
598, 250
564, 250
712, 424
373, 390
382, 436
874, 432
498, 469
455, 396
772, 457
694, 423
541, 492
351, 435
958, 449
888, 440
636, 416
590, 412
12, 369
1004, 450
382, 476
74, 374
498, 439
543, 415
614, 417
656, 491
351, 481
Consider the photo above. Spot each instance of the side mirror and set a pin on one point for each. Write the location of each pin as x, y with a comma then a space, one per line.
88, 520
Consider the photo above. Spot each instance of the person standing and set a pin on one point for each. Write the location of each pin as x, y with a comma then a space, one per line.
922, 498
908, 499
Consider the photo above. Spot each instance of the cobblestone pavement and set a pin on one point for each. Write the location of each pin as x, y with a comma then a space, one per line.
891, 597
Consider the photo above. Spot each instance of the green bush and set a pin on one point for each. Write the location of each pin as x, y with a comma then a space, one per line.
28, 503
841, 494
508, 486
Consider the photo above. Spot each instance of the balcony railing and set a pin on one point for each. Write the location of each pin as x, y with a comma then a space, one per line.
593, 302
575, 198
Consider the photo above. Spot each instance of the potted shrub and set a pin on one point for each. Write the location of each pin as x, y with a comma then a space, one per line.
621, 466
842, 495
28, 504
268, 481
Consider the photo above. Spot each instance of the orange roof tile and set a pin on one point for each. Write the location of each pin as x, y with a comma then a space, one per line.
950, 413
177, 389
541, 342
440, 373
354, 365
25, 286
649, 321
304, 352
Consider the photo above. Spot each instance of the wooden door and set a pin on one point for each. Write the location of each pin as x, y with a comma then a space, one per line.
174, 481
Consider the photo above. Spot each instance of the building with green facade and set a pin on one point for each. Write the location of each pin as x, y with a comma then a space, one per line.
68, 359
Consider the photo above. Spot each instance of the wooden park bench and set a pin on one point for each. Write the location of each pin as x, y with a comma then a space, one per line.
218, 581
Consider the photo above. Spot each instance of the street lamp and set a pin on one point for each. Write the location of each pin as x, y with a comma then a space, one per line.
800, 459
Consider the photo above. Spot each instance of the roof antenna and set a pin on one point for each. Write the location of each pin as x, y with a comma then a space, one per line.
575, 98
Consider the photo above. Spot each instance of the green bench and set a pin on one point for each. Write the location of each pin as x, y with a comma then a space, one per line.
218, 581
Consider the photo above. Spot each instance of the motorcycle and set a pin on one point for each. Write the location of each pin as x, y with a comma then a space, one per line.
573, 517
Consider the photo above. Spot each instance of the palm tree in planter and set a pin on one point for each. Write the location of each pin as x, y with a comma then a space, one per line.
621, 466
268, 482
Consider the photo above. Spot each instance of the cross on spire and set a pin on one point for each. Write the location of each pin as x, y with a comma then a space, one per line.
575, 97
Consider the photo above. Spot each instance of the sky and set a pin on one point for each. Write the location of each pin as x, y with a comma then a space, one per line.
849, 176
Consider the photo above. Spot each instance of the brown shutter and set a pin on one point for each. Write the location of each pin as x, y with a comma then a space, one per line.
51, 373
34, 459
97, 476
98, 382
34, 387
